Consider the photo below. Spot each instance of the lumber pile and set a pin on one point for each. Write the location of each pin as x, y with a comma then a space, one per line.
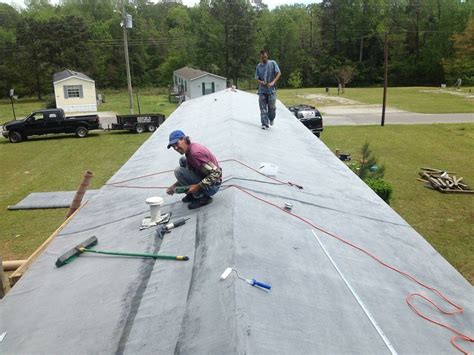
443, 181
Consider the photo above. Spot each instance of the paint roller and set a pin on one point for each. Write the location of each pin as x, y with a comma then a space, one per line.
252, 282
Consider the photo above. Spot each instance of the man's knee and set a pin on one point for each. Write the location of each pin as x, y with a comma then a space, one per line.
182, 162
179, 173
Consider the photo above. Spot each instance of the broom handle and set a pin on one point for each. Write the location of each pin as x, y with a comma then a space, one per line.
146, 255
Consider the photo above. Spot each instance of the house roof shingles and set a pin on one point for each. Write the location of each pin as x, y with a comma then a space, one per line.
192, 74
69, 73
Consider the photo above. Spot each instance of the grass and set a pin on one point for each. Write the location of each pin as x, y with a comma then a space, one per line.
53, 163
413, 99
58, 164
151, 100
445, 220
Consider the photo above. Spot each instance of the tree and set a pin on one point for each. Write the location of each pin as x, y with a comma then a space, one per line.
344, 75
295, 79
462, 64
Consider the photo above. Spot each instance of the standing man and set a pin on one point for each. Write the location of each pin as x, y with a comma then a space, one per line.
198, 170
267, 74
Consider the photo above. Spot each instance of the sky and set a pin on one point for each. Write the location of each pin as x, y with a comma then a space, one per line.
271, 3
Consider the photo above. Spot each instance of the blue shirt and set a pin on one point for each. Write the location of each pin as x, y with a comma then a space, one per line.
266, 72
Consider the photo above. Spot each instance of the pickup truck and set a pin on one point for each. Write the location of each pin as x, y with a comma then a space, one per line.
309, 116
49, 121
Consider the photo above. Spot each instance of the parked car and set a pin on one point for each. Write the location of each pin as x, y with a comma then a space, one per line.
139, 123
309, 116
49, 121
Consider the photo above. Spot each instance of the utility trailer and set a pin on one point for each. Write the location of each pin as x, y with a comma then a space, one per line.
139, 123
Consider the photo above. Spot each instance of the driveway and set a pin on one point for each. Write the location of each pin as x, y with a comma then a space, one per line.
372, 115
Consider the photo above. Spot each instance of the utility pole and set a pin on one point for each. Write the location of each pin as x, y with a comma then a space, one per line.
385, 70
12, 96
125, 24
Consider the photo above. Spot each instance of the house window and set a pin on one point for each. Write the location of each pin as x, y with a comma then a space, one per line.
208, 88
71, 91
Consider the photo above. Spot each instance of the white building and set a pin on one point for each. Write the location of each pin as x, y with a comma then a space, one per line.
74, 92
195, 83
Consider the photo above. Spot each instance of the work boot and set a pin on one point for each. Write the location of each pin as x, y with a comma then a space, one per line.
203, 201
188, 198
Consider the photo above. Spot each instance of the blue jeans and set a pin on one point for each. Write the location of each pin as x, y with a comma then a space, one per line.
267, 103
188, 177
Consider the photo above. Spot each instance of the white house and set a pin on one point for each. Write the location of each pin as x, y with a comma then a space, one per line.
74, 91
195, 83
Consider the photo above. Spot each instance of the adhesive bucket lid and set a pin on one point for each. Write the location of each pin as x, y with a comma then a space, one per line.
155, 200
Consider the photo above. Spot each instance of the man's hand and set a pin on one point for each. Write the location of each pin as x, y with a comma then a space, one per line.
193, 189
170, 190
270, 84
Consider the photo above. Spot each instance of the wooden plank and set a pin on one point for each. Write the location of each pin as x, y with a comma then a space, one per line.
459, 191
3, 287
442, 182
22, 269
434, 170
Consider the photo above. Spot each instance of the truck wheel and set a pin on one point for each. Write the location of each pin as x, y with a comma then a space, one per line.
317, 134
151, 128
139, 129
14, 137
81, 132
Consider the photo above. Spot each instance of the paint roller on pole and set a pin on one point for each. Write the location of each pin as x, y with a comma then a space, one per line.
85, 246
252, 282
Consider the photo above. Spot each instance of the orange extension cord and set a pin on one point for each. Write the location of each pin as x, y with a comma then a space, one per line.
409, 299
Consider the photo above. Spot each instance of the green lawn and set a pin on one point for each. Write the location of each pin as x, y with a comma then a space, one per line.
53, 163
414, 99
58, 163
445, 220
151, 100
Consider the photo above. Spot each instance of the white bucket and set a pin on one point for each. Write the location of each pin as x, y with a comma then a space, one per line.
155, 204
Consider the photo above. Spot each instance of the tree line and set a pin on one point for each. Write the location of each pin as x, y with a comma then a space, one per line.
430, 41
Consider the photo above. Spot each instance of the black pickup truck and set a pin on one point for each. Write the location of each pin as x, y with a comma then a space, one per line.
49, 121
309, 116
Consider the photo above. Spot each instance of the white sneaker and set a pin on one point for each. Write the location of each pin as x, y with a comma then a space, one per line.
264, 127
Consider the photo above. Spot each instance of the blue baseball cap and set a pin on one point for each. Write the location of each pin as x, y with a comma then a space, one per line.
175, 136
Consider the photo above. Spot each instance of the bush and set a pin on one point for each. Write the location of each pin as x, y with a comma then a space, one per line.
50, 102
381, 188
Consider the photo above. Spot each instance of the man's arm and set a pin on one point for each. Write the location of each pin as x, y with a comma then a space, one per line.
212, 173
277, 77
261, 82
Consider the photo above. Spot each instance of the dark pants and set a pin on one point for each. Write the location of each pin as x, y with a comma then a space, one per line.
267, 103
188, 177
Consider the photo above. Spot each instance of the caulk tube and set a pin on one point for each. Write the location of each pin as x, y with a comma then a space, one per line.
254, 282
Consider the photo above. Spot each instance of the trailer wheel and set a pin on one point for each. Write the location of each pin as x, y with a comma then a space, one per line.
81, 132
14, 137
139, 129
151, 128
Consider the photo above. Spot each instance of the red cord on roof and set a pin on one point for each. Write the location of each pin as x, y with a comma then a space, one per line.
409, 299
